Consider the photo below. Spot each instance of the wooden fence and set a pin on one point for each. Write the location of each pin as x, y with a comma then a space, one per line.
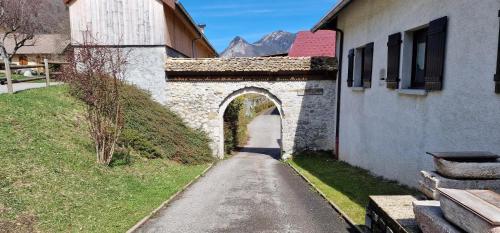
9, 68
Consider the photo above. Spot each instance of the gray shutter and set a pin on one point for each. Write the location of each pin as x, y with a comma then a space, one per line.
497, 75
435, 52
393, 59
368, 66
350, 68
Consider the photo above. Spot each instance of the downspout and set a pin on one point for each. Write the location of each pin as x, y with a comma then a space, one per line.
339, 92
193, 45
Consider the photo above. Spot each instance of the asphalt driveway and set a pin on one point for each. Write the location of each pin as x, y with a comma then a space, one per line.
250, 192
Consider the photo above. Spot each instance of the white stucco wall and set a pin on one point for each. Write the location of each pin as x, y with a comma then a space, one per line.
388, 132
308, 121
146, 69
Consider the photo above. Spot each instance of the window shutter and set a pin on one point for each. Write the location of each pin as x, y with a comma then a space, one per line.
368, 66
350, 69
393, 59
434, 61
497, 75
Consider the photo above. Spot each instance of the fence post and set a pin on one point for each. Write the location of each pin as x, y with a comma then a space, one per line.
47, 75
8, 75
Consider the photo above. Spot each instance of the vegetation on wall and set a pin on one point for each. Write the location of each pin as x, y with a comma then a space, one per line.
49, 181
239, 113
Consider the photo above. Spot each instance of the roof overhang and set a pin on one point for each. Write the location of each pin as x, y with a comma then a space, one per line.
328, 21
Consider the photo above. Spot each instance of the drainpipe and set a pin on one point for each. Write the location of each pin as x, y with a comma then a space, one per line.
339, 91
193, 45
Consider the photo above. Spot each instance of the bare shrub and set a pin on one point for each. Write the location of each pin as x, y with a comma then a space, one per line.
95, 76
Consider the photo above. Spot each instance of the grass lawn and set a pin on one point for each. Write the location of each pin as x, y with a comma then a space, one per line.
49, 180
346, 186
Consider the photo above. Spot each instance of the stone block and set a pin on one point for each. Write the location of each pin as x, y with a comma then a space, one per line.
391, 214
430, 218
467, 170
431, 181
475, 211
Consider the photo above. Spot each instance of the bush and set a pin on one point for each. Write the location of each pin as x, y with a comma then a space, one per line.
153, 131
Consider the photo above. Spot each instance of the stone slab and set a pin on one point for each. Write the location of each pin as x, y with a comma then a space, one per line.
467, 170
471, 211
430, 181
391, 214
465, 155
430, 218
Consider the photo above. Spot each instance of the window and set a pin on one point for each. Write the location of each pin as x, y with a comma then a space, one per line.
418, 59
23, 60
360, 67
424, 52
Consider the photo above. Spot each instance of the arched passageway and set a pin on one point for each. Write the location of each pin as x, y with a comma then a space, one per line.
303, 89
265, 131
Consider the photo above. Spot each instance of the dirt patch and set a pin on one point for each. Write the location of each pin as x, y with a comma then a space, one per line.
24, 223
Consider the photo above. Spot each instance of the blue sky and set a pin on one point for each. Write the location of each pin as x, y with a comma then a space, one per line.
252, 19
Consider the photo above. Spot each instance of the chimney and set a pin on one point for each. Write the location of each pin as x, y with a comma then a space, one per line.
202, 27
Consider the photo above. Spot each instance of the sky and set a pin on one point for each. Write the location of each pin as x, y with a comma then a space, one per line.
253, 19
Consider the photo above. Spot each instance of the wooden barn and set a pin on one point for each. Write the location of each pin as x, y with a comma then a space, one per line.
151, 29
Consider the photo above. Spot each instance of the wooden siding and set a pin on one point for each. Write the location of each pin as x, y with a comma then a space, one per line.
119, 22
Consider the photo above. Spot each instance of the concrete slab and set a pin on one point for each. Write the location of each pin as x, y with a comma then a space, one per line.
431, 181
430, 218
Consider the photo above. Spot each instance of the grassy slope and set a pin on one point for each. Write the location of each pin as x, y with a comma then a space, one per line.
49, 179
346, 186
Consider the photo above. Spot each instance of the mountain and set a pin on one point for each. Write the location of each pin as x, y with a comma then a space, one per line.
55, 15
274, 43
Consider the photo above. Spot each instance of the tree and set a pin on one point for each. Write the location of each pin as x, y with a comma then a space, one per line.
95, 75
18, 23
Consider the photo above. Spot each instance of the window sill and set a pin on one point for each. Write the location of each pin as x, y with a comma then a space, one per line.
417, 92
358, 89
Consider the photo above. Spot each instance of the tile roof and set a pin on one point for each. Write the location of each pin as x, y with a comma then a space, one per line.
307, 44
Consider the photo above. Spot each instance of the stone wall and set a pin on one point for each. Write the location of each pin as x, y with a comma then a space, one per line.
307, 109
303, 89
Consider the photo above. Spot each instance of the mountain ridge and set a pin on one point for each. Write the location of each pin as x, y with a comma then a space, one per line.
277, 42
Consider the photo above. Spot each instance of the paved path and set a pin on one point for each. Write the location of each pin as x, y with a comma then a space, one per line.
250, 192
25, 86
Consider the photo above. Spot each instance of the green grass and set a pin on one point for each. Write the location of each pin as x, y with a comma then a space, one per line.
346, 186
49, 180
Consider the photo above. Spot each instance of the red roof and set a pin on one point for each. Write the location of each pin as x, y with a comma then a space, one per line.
309, 44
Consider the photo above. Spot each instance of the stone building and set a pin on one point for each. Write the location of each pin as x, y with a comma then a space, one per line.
416, 76
150, 29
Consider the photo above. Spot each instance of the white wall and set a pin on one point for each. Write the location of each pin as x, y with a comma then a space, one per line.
146, 69
119, 22
388, 132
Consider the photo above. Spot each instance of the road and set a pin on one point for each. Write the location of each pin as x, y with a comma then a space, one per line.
251, 192
25, 86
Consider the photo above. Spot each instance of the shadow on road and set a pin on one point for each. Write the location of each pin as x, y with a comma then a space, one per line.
274, 153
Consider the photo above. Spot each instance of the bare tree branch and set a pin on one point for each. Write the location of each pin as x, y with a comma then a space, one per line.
19, 23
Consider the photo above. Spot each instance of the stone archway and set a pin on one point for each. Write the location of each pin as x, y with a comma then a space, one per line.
243, 91
303, 89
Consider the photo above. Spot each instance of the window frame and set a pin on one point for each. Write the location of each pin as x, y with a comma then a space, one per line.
413, 82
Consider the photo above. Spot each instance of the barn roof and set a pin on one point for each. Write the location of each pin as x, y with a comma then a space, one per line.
320, 43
